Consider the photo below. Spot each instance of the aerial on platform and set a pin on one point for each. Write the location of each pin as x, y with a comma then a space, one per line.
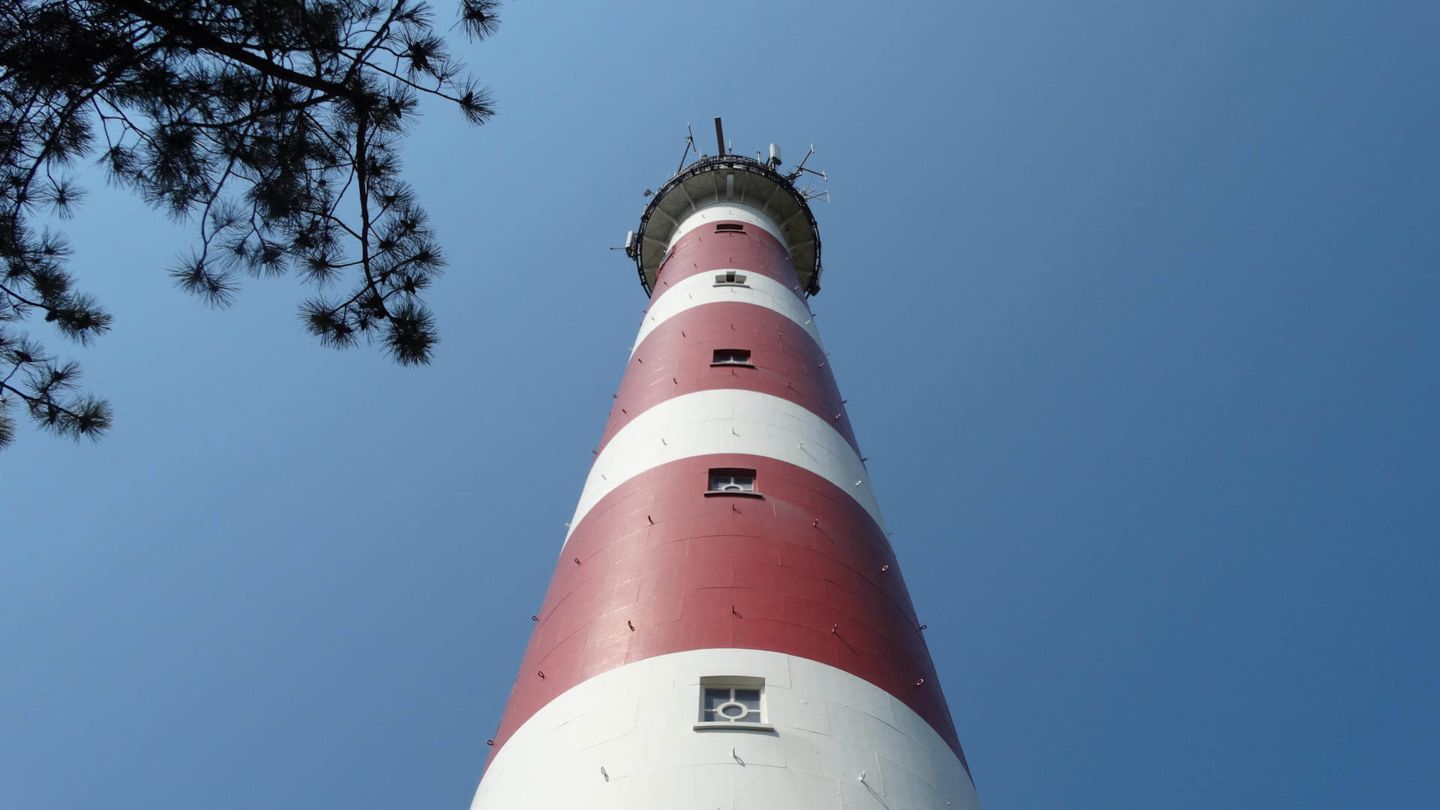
727, 622
754, 185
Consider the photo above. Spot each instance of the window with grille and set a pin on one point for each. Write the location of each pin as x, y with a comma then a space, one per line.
730, 278
731, 357
729, 481
732, 702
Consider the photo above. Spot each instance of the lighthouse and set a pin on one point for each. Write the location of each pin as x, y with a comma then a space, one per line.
727, 625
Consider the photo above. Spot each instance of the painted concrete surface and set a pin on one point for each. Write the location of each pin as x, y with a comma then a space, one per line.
706, 250
700, 289
679, 359
727, 421
626, 739
662, 582
661, 566
733, 212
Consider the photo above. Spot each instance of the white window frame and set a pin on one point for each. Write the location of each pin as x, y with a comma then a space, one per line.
732, 683
730, 278
736, 487
742, 359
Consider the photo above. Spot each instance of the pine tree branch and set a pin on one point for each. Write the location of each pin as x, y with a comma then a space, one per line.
45, 401
22, 299
362, 188
268, 120
202, 38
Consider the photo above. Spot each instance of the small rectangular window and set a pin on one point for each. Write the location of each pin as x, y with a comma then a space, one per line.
729, 227
731, 481
731, 357
730, 278
732, 702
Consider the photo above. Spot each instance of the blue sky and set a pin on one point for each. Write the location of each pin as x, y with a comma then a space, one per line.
1134, 304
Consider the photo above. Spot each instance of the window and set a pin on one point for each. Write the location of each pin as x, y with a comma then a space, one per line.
729, 227
730, 278
732, 702
727, 481
731, 357
728, 704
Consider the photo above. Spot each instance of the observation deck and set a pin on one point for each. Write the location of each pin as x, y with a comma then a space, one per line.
728, 180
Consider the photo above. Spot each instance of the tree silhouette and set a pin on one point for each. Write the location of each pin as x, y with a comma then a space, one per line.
273, 124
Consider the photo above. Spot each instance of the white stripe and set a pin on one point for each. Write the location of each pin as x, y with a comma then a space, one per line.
723, 212
699, 290
637, 723
727, 421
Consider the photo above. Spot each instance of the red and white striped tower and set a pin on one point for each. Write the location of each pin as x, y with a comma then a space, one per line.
727, 626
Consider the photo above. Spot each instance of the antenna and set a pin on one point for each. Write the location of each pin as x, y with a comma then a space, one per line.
719, 137
800, 169
689, 144
807, 193
794, 173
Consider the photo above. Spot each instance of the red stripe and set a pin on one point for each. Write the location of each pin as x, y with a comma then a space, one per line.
702, 250
803, 571
675, 358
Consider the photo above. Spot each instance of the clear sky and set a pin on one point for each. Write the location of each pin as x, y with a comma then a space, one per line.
1134, 303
